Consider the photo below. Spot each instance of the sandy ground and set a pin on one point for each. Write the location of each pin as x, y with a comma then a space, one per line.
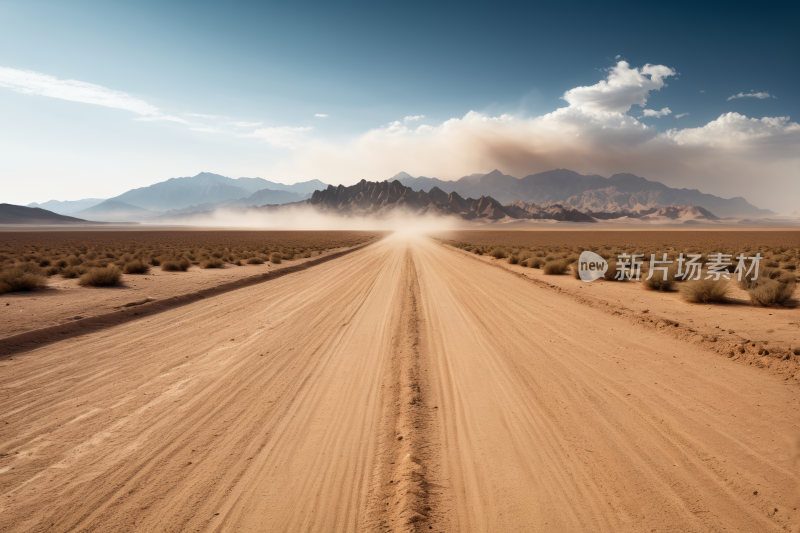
403, 387
64, 300
775, 328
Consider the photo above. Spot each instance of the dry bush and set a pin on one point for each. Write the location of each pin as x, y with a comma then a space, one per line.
513, 260
71, 272
534, 262
275, 258
258, 260
747, 281
575, 272
21, 279
557, 267
155, 261
658, 283
498, 253
705, 291
176, 265
136, 267
767, 291
214, 263
101, 277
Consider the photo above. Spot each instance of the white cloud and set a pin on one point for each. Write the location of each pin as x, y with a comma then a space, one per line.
623, 88
617, 56
412, 118
282, 136
34, 83
245, 124
201, 116
205, 129
169, 118
737, 132
654, 113
321, 115
702, 91
681, 115
761, 95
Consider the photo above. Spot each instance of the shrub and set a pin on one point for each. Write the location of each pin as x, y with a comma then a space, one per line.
176, 265
575, 272
44, 263
513, 260
498, 253
214, 263
275, 258
136, 267
658, 283
555, 267
155, 261
101, 277
535, 262
705, 291
766, 291
20, 279
764, 273
258, 260
74, 271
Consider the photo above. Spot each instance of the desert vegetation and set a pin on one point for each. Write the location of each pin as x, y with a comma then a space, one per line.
101, 258
557, 252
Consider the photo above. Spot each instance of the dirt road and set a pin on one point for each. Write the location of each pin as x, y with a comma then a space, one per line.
402, 387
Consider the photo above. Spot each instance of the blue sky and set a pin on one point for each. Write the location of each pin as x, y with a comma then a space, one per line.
370, 65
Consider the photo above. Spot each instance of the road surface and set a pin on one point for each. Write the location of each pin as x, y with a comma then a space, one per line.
402, 387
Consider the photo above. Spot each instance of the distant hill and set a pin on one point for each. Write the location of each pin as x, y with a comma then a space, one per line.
208, 188
116, 211
67, 207
257, 199
592, 192
18, 214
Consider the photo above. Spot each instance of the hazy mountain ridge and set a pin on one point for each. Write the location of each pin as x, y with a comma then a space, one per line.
67, 207
208, 188
569, 188
257, 199
18, 214
116, 211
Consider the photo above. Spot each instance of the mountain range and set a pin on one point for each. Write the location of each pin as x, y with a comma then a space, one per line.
207, 188
621, 193
381, 198
203, 192
554, 193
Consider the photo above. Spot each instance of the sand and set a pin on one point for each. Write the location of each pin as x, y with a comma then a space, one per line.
405, 386
64, 301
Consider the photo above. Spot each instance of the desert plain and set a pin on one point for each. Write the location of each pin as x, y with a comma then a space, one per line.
364, 381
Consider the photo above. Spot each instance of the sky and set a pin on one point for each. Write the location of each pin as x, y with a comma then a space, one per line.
97, 98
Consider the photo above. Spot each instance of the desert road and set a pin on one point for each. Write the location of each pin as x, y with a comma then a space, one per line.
402, 387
